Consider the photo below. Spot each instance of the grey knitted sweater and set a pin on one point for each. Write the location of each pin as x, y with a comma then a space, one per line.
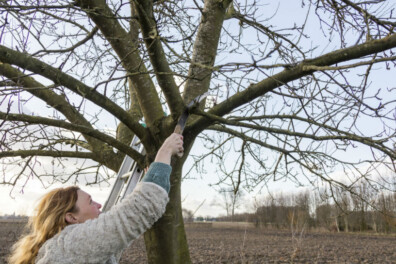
100, 240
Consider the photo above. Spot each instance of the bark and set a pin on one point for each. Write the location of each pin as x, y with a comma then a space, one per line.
124, 134
157, 56
47, 153
346, 223
336, 223
166, 241
128, 52
205, 48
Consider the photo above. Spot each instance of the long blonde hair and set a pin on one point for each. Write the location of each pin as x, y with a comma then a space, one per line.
48, 220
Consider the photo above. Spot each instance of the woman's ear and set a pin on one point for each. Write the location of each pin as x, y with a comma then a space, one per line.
69, 217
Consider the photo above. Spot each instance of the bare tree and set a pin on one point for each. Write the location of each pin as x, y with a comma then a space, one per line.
188, 215
230, 201
288, 100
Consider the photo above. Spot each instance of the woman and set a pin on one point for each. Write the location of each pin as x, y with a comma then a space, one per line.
68, 226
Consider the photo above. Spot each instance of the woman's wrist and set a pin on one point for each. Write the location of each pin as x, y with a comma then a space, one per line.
164, 155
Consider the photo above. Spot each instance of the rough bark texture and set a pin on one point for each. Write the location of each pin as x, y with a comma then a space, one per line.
128, 52
205, 48
166, 241
157, 56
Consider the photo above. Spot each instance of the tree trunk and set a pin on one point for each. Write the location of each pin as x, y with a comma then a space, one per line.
336, 223
346, 223
166, 241
374, 219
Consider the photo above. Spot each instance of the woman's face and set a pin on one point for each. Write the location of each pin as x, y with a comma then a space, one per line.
87, 208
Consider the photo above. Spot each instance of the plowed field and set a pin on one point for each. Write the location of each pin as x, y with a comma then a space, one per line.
239, 244
250, 245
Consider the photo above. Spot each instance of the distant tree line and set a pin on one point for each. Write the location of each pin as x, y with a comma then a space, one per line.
362, 208
13, 216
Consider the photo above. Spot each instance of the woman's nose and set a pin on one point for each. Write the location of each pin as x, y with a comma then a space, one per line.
98, 205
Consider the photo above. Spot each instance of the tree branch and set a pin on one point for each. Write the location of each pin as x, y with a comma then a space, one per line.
243, 136
48, 153
265, 30
205, 48
377, 144
58, 102
369, 16
256, 90
72, 48
128, 53
58, 77
78, 128
294, 117
343, 67
315, 170
157, 56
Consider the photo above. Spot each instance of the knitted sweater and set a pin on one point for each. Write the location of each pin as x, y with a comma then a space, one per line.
99, 240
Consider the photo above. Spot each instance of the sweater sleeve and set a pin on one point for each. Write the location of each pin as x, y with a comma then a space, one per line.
96, 240
159, 173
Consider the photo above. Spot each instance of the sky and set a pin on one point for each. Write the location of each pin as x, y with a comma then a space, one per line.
197, 195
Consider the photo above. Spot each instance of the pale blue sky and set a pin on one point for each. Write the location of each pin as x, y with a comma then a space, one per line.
195, 191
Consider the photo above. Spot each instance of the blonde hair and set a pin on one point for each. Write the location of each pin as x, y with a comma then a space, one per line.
49, 220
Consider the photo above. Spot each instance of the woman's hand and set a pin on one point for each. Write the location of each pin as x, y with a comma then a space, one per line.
172, 145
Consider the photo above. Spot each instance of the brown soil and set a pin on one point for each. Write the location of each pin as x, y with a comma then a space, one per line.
9, 233
250, 245
225, 244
